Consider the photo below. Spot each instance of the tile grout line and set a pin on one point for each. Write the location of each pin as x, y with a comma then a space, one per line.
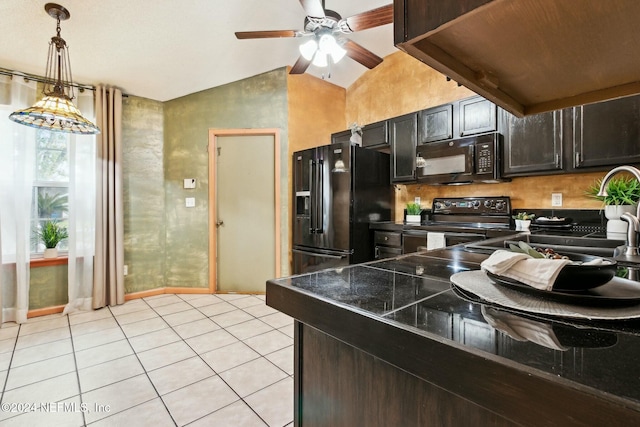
13, 352
146, 373
218, 374
81, 394
75, 364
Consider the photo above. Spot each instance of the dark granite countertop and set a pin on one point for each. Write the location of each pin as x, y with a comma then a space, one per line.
413, 294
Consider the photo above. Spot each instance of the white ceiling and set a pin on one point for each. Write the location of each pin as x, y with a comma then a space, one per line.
164, 49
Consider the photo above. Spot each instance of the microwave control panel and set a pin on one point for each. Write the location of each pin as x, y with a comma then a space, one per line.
485, 157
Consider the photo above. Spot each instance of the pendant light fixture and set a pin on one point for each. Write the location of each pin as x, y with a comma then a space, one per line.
56, 111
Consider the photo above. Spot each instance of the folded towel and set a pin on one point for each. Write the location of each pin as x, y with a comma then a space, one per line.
435, 240
540, 273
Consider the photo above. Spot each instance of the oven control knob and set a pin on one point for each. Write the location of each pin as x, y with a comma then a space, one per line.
439, 205
447, 203
487, 203
499, 205
476, 203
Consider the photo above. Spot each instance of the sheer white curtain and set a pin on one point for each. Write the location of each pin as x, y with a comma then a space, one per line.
17, 162
82, 212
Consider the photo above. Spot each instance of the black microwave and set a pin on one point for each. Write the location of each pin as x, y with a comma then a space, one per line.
461, 161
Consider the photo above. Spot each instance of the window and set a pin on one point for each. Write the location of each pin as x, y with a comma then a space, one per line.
50, 185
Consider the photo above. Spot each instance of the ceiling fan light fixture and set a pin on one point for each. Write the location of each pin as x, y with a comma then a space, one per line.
337, 53
326, 43
320, 59
308, 49
56, 111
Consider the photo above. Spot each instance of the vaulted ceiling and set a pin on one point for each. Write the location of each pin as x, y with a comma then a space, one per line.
164, 49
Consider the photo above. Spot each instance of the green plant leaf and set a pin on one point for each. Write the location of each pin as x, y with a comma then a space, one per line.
52, 233
620, 191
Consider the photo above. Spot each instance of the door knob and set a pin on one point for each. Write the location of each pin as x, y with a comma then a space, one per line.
219, 223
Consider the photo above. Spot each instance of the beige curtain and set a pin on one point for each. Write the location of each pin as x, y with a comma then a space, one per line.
108, 273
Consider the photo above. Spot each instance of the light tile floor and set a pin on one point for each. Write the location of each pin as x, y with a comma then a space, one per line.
167, 360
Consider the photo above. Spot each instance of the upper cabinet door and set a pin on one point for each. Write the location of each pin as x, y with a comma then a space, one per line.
532, 144
340, 137
375, 135
403, 132
607, 133
435, 124
477, 115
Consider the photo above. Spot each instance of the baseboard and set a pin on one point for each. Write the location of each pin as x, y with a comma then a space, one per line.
135, 295
45, 311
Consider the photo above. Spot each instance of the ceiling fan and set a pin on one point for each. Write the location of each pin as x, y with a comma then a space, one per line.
327, 29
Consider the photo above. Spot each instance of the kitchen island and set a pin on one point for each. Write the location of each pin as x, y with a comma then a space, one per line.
390, 343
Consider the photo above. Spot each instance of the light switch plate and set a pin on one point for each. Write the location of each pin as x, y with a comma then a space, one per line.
556, 199
190, 202
189, 183
416, 200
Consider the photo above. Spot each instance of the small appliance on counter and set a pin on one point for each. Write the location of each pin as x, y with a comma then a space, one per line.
338, 190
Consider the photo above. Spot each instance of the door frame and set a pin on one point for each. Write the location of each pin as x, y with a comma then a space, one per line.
213, 231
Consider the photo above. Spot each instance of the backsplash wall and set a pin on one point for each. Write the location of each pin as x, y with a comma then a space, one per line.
527, 192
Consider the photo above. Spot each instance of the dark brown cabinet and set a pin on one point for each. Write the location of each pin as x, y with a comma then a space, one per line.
532, 144
435, 124
375, 135
606, 133
402, 137
476, 115
388, 244
339, 137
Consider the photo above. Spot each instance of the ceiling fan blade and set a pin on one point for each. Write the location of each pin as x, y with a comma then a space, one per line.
361, 54
300, 66
313, 8
372, 18
268, 34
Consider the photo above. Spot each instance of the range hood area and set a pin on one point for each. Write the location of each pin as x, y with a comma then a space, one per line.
527, 56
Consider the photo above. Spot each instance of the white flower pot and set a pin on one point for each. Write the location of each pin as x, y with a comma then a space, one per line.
616, 228
51, 253
522, 224
414, 219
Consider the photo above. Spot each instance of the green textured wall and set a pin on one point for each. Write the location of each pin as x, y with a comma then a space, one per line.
167, 244
143, 187
256, 102
48, 286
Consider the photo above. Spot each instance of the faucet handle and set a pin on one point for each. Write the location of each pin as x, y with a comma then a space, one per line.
632, 234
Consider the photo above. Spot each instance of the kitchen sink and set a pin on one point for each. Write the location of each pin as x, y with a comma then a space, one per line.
584, 245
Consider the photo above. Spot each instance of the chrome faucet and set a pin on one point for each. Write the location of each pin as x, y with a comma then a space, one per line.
631, 248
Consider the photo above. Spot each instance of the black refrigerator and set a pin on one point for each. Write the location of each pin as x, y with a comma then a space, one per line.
339, 189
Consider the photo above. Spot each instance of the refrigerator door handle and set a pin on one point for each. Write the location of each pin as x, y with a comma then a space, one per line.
312, 189
318, 254
319, 227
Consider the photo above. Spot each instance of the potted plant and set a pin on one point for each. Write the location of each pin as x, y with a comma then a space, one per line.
413, 213
51, 233
523, 220
622, 196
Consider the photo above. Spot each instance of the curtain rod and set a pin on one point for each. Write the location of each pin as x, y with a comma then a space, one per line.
7, 72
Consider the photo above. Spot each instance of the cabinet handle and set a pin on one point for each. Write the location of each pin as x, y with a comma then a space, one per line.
377, 253
557, 161
386, 238
577, 158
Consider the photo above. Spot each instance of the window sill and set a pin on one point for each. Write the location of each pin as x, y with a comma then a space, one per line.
46, 262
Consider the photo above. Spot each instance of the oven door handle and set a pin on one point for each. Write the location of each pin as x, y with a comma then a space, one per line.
454, 234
